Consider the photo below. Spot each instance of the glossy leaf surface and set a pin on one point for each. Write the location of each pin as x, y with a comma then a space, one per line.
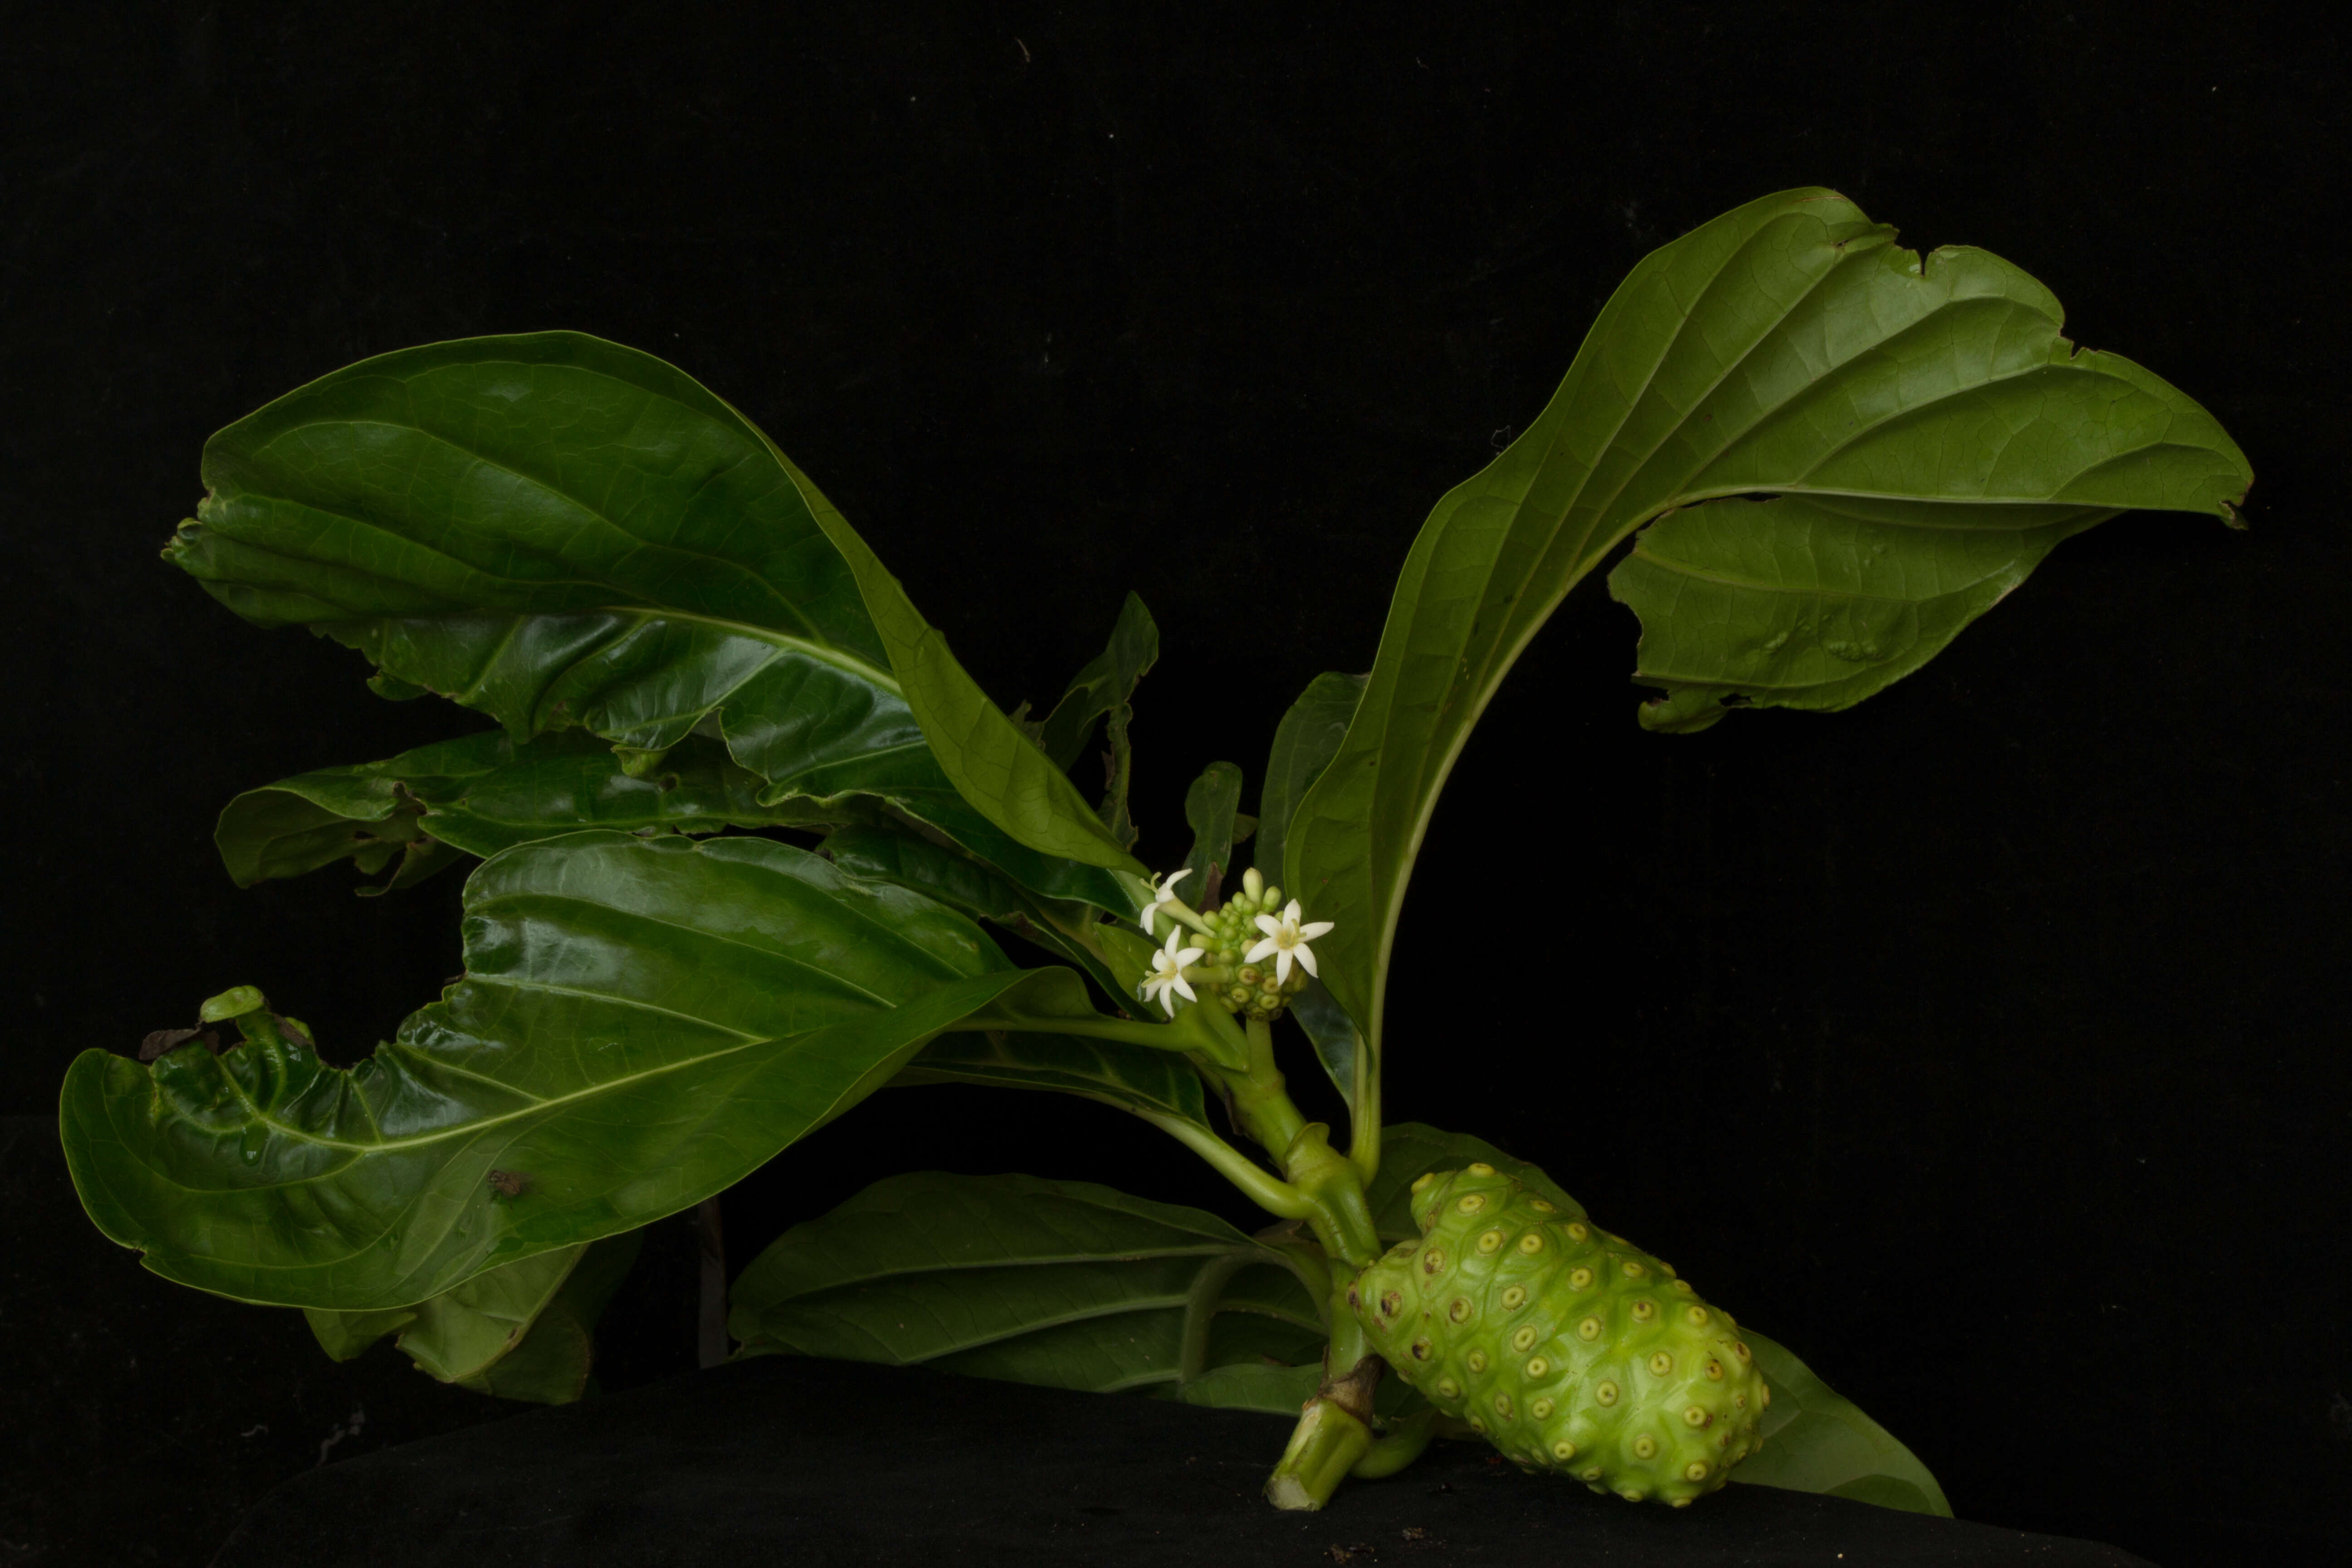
524, 1331
484, 794
459, 1332
641, 1023
559, 531
1789, 347
1062, 1283
897, 853
1816, 601
1817, 1440
1131, 1077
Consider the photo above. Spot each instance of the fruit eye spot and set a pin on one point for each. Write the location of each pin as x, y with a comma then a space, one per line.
1645, 1447
1482, 1168
1715, 1371
1764, 1397
1578, 1232
1421, 1183
1580, 1278
1539, 1206
1541, 1410
1684, 1286
1503, 1405
1432, 1260
1563, 1450
1606, 1393
1589, 1329
1390, 1301
1740, 1349
1523, 1338
1632, 1269
1538, 1367
1531, 1244
1459, 1308
1471, 1202
1593, 1474
1514, 1298
1644, 1310
1695, 1417
1740, 1401
1448, 1389
1661, 1364
1696, 1470
1477, 1423
1490, 1242
1478, 1360
1694, 1315
1420, 1349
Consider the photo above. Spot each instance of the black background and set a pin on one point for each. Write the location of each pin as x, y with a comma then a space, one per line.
1985, 1044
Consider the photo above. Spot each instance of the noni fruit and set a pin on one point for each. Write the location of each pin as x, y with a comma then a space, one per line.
1570, 1348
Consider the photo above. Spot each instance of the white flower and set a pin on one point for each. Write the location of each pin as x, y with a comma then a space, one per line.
1167, 978
1286, 939
1163, 893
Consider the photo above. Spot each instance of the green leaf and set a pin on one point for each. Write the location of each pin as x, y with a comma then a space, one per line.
559, 531
1304, 744
998, 770
1816, 1441
485, 792
1061, 1283
1208, 809
641, 1023
1132, 1077
1787, 346
900, 853
520, 1330
1104, 687
459, 1332
552, 1364
1817, 602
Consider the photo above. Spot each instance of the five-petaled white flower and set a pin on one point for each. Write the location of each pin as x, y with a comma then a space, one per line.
1167, 976
1163, 893
1286, 939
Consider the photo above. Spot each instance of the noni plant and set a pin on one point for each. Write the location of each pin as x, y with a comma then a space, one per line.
1830, 454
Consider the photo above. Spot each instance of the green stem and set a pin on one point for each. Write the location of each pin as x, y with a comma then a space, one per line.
1270, 1193
1129, 1031
1200, 1312
1327, 1442
1399, 1446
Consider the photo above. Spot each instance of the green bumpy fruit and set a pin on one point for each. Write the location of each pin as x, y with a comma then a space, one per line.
1567, 1347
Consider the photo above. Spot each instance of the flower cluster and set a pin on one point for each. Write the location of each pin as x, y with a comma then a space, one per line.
1251, 959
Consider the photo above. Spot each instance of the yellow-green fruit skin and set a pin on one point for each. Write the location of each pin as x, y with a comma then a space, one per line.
1570, 1348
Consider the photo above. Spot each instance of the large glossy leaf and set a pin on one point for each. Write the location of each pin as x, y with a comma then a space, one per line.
1062, 1283
559, 532
641, 1023
1787, 347
898, 853
485, 792
524, 1331
1157, 1084
1817, 601
1817, 1440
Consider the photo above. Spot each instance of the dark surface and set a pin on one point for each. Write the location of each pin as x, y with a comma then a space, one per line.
2021, 982
139, 1420
827, 1463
